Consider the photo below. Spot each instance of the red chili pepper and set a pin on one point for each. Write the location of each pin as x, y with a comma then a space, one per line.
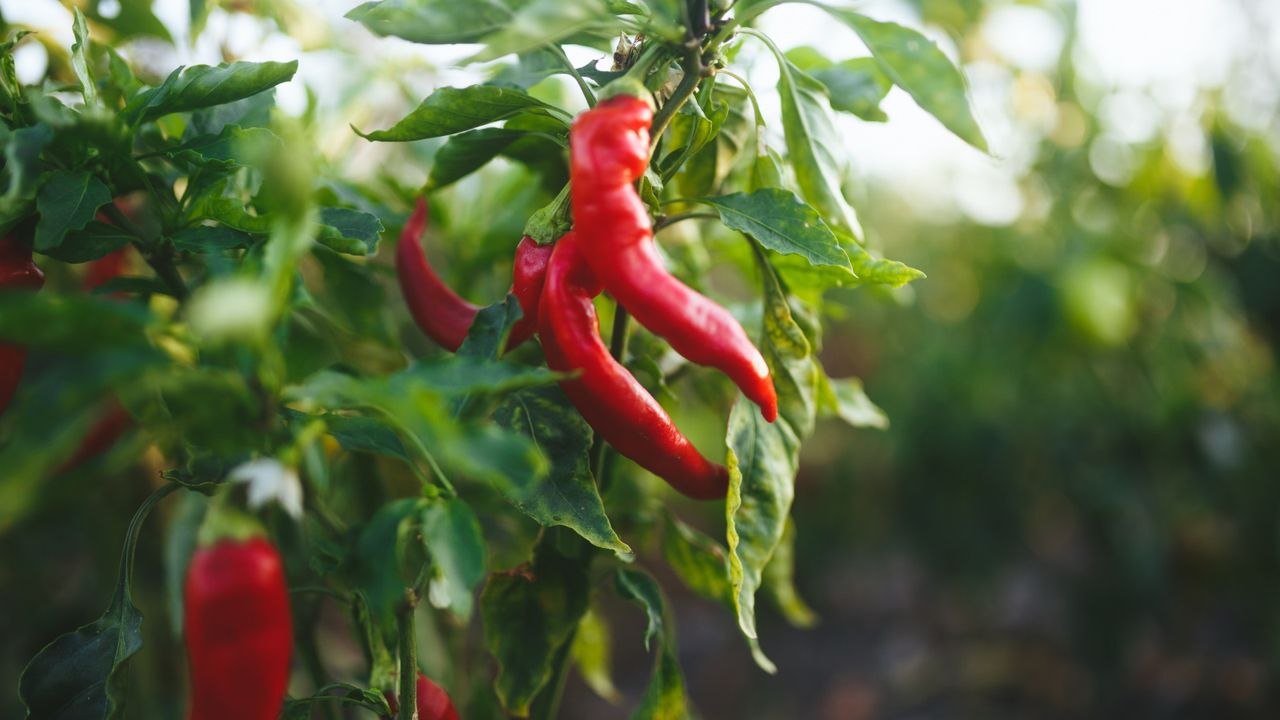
17, 270
106, 268
433, 702
609, 149
439, 311
238, 632
609, 398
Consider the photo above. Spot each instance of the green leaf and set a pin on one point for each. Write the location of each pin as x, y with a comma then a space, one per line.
22, 171
856, 86
364, 434
529, 614
209, 239
83, 674
127, 19
845, 399
916, 65
814, 147
452, 110
80, 58
202, 86
664, 699
491, 328
233, 147
764, 457
456, 545
348, 231
568, 495
878, 271
433, 22
698, 560
72, 323
782, 222
543, 22
467, 152
779, 581
96, 240
378, 562
591, 653
68, 201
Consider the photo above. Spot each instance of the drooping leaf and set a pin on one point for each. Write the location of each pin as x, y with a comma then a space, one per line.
664, 698
353, 232
847, 400
591, 653
856, 86
96, 240
916, 65
568, 495
451, 110
698, 560
779, 582
529, 615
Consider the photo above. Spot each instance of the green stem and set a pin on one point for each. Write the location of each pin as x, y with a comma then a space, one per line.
577, 77
673, 219
618, 349
693, 73
408, 657
158, 255
135, 527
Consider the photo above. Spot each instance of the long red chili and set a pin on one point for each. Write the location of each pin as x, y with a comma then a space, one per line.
609, 150
17, 270
238, 632
606, 394
439, 311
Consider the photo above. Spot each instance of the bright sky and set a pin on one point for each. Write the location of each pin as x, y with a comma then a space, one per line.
1145, 63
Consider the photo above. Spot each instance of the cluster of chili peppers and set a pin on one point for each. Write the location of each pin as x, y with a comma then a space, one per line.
611, 248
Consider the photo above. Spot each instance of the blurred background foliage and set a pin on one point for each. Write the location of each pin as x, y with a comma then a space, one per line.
1074, 511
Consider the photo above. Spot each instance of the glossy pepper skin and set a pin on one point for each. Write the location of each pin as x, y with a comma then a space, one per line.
433, 702
609, 398
609, 150
238, 632
17, 271
439, 311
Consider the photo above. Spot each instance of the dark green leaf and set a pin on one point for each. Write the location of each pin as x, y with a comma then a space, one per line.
96, 240
234, 146
664, 699
22, 170
467, 152
364, 434
568, 495
209, 239
782, 222
491, 328
202, 86
699, 561
71, 323
451, 110
377, 562
529, 616
779, 581
68, 201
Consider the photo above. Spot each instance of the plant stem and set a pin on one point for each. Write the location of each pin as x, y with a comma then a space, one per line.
158, 255
573, 72
618, 349
408, 657
673, 219
693, 73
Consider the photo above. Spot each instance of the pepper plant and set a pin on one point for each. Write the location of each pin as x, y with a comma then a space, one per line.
259, 365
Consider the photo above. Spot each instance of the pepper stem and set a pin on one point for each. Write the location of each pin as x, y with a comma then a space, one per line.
408, 656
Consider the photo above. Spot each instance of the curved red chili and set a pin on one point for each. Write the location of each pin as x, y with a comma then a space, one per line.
441, 313
609, 398
17, 270
609, 149
238, 633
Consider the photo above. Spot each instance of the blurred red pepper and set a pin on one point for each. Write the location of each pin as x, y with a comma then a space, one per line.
17, 271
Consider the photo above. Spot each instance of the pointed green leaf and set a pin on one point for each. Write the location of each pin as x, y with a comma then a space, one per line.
433, 22
782, 222
568, 495
202, 86
451, 110
80, 59
453, 538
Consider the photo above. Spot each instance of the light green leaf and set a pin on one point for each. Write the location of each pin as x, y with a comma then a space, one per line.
453, 538
80, 59
348, 231
698, 560
542, 22
452, 110
433, 22
202, 86
916, 65
591, 653
779, 581
855, 86
845, 399
568, 495
814, 148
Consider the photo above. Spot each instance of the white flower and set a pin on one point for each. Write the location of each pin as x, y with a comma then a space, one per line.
269, 479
